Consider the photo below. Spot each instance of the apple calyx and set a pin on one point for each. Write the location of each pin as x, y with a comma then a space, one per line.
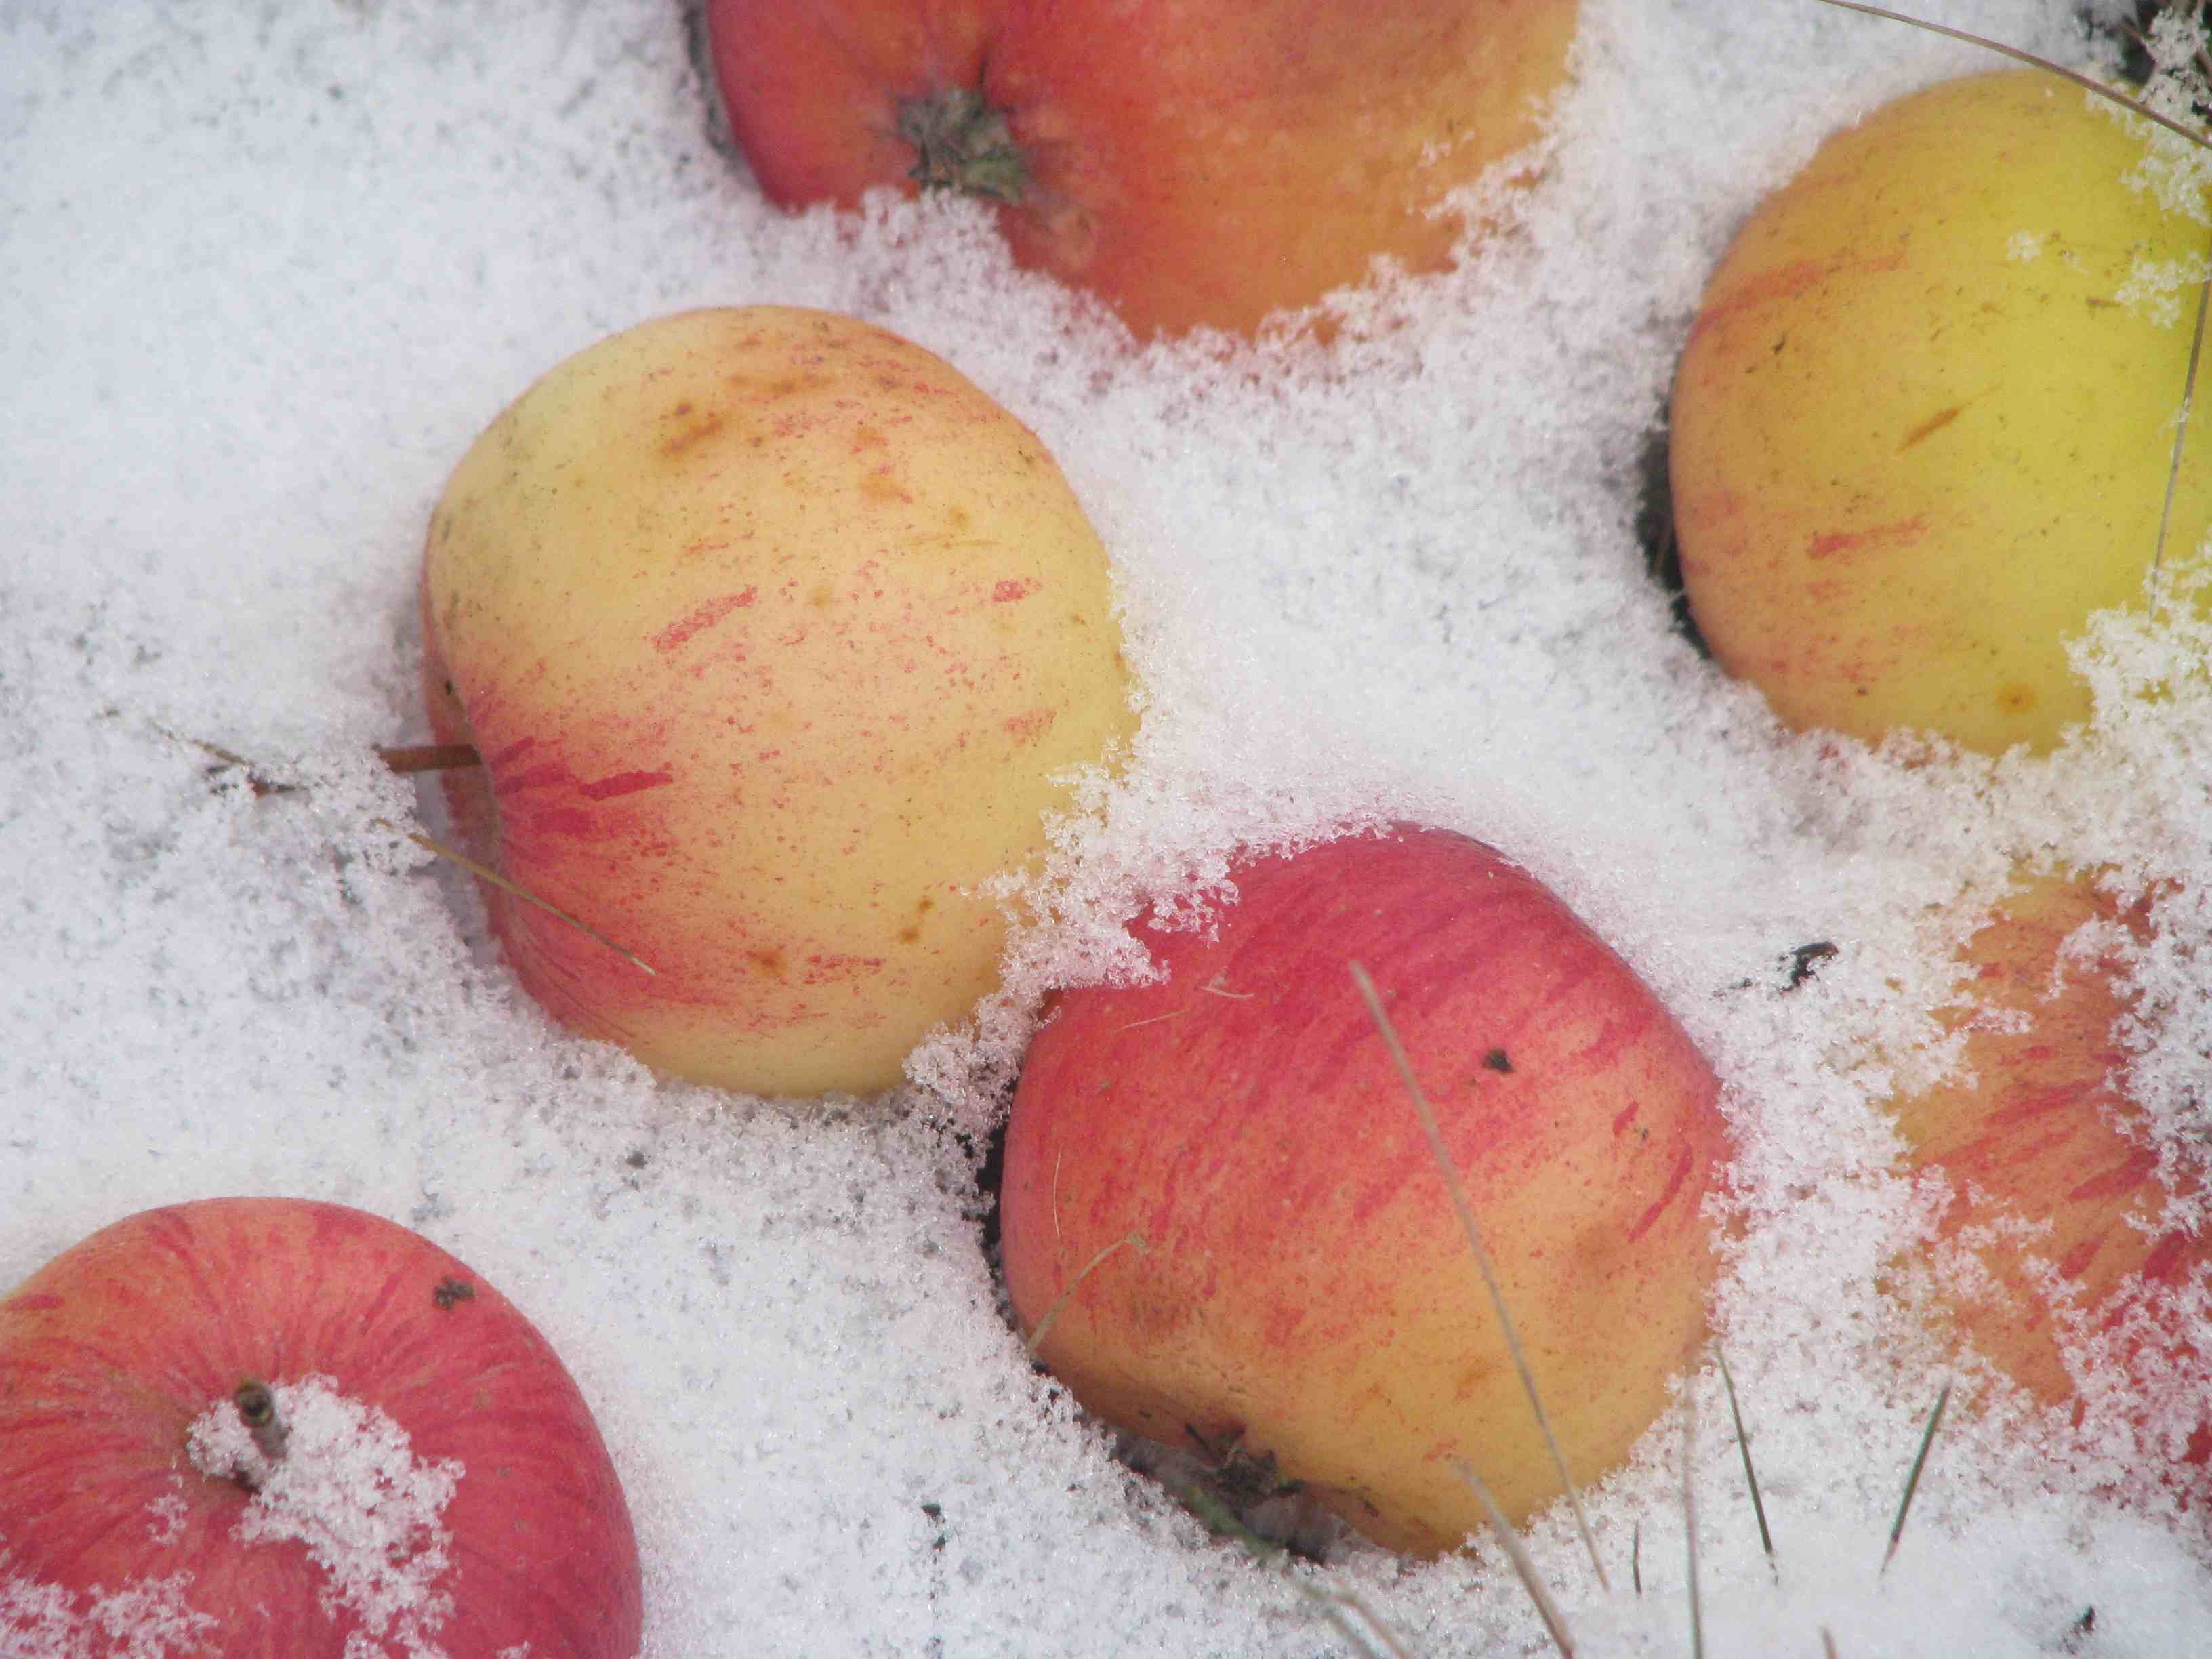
962, 143
256, 1408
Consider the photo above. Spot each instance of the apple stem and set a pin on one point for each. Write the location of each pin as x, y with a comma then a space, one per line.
409, 759
962, 143
257, 1409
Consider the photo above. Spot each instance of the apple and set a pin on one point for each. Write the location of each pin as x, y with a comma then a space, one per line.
1190, 164
1220, 1206
2054, 1188
274, 1427
778, 638
1921, 429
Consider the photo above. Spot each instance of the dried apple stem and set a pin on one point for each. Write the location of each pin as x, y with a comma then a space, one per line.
1482, 1260
409, 759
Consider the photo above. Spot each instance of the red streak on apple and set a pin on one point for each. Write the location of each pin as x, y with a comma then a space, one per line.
109, 1352
2038, 1129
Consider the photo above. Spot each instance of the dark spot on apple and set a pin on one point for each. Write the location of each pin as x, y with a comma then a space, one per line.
769, 961
910, 934
2016, 699
452, 1292
1498, 1061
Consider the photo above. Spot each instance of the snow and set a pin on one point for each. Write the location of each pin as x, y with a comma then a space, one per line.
270, 269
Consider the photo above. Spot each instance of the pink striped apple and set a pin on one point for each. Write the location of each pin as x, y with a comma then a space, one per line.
1217, 1190
276, 1428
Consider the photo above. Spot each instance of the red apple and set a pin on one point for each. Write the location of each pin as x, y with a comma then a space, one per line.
2054, 1187
438, 1486
1191, 163
1303, 1290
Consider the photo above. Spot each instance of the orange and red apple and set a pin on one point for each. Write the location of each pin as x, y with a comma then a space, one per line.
278, 1428
2054, 1188
1303, 1290
1191, 164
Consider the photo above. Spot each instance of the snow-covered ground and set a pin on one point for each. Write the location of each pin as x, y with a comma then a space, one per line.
266, 270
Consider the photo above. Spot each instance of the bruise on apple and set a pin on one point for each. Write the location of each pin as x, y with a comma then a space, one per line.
2065, 1273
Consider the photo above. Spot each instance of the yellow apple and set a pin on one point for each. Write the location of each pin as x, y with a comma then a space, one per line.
2054, 1187
777, 637
1222, 1223
1923, 426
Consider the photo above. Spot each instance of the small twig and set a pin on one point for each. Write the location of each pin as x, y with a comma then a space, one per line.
1036, 1337
1750, 1474
2084, 81
485, 872
1518, 1554
1482, 1260
1335, 1603
1912, 1480
1636, 1557
1690, 1522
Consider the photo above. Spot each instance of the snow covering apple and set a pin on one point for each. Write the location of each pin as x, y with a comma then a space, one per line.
2075, 1281
778, 639
1217, 1188
1924, 420
278, 1428
1190, 164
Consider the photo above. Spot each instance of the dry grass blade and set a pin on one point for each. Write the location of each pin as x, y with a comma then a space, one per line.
1337, 1606
1036, 1337
2181, 426
1466, 1213
1635, 1558
1912, 1480
1518, 1554
2084, 81
1750, 1474
1690, 1522
485, 872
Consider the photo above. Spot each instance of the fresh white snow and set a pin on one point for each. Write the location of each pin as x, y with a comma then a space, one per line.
266, 270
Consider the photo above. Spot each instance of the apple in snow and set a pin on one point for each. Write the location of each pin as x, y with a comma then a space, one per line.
2082, 1288
778, 639
1303, 1290
278, 1428
1924, 420
1191, 164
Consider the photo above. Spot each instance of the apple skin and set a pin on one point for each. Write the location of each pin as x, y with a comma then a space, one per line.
1906, 463
1304, 1290
778, 638
2036, 1129
114, 1347
1192, 162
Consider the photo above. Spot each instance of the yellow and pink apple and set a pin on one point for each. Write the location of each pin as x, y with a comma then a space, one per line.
1303, 1290
1924, 420
1191, 164
778, 639
272, 1428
